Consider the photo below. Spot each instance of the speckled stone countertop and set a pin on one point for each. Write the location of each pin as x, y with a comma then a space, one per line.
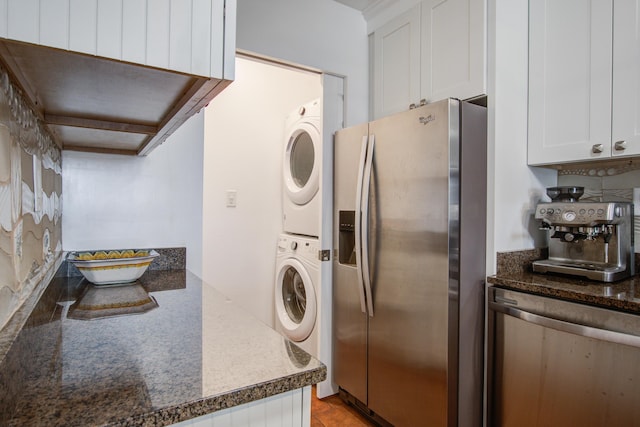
191, 352
514, 272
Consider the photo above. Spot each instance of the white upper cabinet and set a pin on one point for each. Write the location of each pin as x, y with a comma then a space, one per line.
181, 35
396, 60
435, 50
453, 49
584, 74
570, 49
625, 131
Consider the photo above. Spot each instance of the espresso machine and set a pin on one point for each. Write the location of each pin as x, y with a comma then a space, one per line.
587, 239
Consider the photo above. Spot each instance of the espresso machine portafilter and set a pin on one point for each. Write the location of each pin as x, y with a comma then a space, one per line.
587, 239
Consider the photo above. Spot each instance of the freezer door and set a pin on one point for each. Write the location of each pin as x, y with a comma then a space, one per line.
415, 175
349, 321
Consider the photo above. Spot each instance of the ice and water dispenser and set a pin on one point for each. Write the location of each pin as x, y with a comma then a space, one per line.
347, 238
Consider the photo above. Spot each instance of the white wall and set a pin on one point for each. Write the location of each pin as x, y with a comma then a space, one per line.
322, 34
514, 188
113, 201
244, 143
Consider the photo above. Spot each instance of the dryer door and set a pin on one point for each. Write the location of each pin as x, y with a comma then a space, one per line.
302, 163
295, 300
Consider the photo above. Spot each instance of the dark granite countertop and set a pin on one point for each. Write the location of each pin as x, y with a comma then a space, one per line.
188, 353
623, 295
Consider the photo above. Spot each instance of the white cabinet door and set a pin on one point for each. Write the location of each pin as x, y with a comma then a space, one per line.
570, 53
625, 131
291, 408
435, 50
453, 49
396, 64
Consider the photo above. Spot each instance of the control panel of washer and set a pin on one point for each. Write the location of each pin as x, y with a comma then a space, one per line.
300, 246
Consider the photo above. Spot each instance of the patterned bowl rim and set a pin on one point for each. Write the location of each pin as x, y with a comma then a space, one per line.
72, 257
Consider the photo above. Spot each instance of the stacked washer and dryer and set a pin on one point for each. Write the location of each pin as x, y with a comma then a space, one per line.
298, 302
301, 171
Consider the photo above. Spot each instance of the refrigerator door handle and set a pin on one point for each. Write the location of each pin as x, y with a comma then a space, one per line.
365, 224
358, 231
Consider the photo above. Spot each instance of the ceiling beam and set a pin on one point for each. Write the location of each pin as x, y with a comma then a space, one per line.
100, 150
83, 122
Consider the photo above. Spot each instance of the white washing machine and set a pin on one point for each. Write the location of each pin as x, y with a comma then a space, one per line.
301, 170
297, 303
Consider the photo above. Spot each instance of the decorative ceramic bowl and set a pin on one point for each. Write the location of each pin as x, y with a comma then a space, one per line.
112, 267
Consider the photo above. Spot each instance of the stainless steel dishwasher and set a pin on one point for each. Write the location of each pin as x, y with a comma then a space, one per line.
558, 363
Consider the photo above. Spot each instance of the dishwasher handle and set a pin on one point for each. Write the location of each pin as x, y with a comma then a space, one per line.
563, 326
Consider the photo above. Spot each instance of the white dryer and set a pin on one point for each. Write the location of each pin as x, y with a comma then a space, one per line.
297, 305
301, 170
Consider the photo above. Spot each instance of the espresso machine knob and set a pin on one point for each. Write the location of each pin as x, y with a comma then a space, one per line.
569, 237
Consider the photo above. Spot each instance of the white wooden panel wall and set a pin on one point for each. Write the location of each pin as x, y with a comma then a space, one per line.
158, 37
134, 13
109, 28
180, 35
201, 35
54, 23
190, 36
83, 23
23, 20
290, 409
217, 36
4, 11
223, 38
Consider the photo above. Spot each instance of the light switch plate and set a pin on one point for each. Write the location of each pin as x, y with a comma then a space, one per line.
232, 198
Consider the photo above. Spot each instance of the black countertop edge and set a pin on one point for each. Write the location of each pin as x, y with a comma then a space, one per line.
623, 295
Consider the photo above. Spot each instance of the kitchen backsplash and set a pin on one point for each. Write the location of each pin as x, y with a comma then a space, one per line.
30, 200
608, 183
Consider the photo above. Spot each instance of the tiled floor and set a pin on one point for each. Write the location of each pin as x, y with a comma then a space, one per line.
333, 412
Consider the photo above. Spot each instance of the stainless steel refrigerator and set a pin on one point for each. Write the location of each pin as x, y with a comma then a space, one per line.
409, 265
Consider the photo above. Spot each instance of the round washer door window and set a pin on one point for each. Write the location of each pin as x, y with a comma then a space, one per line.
295, 300
301, 163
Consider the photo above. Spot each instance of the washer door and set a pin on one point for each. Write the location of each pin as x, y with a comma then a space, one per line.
302, 163
295, 300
